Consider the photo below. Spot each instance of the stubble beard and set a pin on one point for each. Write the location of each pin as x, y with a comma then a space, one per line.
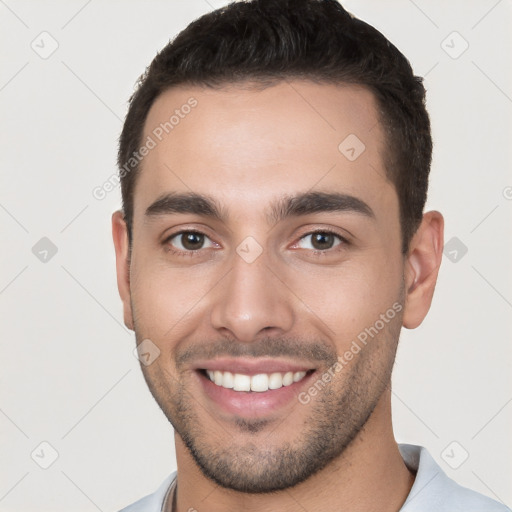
254, 464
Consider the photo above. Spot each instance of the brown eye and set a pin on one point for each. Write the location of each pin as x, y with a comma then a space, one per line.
192, 241
320, 241
189, 241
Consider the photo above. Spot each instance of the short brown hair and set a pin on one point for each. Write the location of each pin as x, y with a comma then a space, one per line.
271, 40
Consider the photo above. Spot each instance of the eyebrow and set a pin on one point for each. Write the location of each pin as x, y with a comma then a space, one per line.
288, 206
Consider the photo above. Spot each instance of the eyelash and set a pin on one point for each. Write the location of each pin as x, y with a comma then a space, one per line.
317, 252
173, 250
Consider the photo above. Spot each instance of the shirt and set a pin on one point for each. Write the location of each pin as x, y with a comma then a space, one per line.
432, 491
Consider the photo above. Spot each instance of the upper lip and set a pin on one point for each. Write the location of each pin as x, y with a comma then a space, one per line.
252, 366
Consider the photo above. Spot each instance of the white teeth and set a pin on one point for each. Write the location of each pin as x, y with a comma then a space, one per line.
259, 383
228, 380
298, 376
275, 381
288, 378
217, 377
241, 382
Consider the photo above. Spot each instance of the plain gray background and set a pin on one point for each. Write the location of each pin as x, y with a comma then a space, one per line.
68, 375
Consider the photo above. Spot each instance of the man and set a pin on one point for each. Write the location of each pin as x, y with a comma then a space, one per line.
274, 166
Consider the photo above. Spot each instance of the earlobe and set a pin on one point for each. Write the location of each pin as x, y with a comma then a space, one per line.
121, 244
422, 267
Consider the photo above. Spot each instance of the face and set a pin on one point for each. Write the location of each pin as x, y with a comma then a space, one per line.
266, 248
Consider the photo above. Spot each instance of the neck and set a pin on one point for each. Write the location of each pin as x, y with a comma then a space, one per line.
369, 476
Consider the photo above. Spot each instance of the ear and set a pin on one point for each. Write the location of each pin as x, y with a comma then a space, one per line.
421, 268
121, 244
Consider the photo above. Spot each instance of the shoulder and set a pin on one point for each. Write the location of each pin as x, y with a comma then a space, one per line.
152, 502
434, 490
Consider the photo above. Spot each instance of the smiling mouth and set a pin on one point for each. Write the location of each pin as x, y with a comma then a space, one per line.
258, 383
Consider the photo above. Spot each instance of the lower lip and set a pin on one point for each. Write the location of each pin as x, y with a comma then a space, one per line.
252, 404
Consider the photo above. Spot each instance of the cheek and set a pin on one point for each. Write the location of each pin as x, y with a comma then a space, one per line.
166, 300
350, 298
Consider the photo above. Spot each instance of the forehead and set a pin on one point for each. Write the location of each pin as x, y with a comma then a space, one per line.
246, 143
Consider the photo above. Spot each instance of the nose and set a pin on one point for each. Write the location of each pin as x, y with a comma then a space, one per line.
252, 300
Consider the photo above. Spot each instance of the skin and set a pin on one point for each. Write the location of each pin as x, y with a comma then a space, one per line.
246, 147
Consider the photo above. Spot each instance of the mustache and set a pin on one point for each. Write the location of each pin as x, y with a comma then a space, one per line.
313, 351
